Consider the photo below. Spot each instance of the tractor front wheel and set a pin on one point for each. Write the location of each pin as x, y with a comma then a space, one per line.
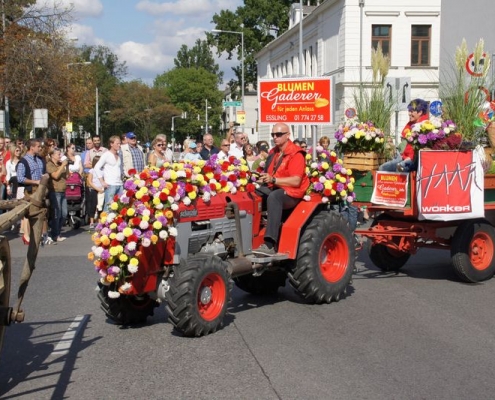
325, 260
472, 251
199, 294
126, 310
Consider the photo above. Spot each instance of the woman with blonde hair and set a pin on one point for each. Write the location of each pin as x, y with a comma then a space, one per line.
11, 173
185, 149
157, 157
324, 142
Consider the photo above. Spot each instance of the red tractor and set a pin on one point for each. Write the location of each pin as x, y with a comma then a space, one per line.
215, 245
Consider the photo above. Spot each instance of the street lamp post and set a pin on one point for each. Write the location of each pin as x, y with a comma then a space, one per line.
242, 59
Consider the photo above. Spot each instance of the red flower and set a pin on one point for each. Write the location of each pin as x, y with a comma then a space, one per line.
217, 176
225, 166
188, 173
250, 188
242, 174
232, 159
143, 175
223, 183
327, 192
114, 243
145, 198
189, 188
132, 238
163, 196
232, 178
130, 193
135, 221
207, 169
213, 186
131, 172
123, 212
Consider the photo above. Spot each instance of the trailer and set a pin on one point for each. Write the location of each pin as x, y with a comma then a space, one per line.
398, 232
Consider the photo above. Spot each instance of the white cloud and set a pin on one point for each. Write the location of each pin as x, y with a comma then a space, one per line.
179, 7
82, 8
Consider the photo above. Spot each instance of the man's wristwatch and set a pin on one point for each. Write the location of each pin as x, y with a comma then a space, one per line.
274, 180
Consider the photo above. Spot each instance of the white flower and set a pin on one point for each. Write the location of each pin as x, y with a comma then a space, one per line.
110, 217
132, 268
159, 206
131, 246
324, 199
146, 242
143, 225
171, 200
186, 200
322, 179
446, 130
113, 294
307, 197
206, 197
172, 231
344, 140
233, 190
104, 282
181, 174
146, 212
97, 251
314, 165
163, 234
126, 287
174, 207
120, 236
177, 197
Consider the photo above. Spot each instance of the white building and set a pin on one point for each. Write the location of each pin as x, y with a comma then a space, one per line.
338, 36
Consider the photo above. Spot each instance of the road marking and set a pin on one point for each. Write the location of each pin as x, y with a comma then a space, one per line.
65, 343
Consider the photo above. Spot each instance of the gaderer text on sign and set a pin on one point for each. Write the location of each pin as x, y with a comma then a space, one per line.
303, 101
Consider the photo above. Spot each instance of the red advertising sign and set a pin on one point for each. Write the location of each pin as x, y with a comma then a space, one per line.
449, 185
297, 101
390, 188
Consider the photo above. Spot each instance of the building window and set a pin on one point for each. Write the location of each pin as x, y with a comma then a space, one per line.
420, 45
381, 35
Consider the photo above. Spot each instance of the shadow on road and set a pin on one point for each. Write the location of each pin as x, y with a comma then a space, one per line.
34, 361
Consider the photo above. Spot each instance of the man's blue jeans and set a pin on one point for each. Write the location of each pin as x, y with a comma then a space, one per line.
110, 192
58, 204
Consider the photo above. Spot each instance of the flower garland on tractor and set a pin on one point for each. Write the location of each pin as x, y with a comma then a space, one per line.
144, 213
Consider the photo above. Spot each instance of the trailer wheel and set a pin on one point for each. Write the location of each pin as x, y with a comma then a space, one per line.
5, 273
126, 310
266, 283
199, 294
384, 257
472, 251
325, 260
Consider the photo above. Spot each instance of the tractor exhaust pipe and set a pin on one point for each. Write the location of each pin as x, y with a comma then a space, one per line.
240, 266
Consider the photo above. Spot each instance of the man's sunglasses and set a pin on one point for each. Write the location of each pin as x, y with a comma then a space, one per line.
278, 134
160, 144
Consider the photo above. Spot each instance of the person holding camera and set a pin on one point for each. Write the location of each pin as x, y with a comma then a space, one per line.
74, 160
57, 167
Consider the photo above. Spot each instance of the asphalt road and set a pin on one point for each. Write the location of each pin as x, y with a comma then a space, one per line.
418, 334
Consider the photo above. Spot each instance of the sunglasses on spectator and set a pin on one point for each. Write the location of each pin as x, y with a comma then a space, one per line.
160, 144
278, 134
304, 147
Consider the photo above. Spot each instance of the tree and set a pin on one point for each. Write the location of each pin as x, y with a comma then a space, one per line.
199, 56
139, 108
189, 89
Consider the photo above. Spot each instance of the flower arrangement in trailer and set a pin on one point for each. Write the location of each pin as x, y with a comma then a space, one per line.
355, 136
434, 133
144, 212
329, 177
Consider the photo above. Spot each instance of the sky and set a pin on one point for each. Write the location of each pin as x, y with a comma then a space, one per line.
147, 34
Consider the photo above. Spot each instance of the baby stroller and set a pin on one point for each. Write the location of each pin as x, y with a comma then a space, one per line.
76, 206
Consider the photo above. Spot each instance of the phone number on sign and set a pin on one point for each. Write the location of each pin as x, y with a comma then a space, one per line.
296, 118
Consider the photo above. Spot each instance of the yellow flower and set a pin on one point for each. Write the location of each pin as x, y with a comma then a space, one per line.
131, 212
113, 226
343, 193
157, 225
156, 184
197, 170
350, 186
192, 195
113, 235
134, 261
156, 201
325, 165
123, 257
105, 241
145, 218
139, 195
114, 206
114, 251
173, 175
308, 157
127, 231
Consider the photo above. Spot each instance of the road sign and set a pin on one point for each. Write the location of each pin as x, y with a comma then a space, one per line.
232, 103
241, 117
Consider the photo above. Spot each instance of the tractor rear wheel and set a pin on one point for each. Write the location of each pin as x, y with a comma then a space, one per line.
5, 273
472, 251
325, 260
384, 257
266, 283
126, 310
199, 294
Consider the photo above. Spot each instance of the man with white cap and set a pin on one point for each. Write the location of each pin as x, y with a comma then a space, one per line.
132, 155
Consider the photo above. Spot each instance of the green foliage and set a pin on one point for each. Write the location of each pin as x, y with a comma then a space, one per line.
370, 101
199, 56
461, 98
261, 21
